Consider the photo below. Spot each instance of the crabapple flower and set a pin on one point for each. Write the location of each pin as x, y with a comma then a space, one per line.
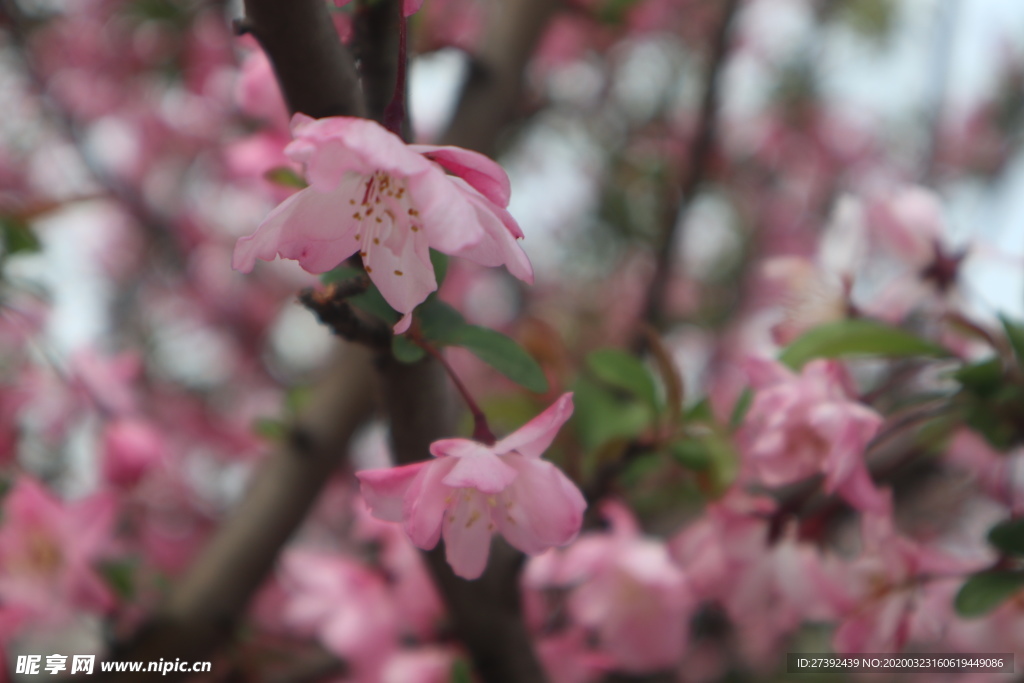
894, 577
131, 448
347, 606
800, 425
371, 193
470, 490
47, 549
624, 587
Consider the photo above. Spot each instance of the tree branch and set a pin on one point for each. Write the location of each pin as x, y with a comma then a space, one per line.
682, 197
315, 71
493, 91
375, 45
202, 611
318, 78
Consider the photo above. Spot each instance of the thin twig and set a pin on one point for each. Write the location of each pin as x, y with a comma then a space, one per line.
682, 197
333, 310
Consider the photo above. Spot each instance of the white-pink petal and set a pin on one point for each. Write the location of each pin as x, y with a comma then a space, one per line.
485, 175
545, 510
533, 438
467, 535
385, 489
484, 472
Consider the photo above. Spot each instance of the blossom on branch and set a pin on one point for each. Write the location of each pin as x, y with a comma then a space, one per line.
801, 425
371, 193
625, 588
48, 549
471, 490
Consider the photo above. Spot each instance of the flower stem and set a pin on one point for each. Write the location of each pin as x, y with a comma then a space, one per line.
394, 113
481, 430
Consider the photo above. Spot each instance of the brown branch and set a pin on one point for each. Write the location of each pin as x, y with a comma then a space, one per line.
486, 614
203, 609
375, 46
332, 309
681, 197
315, 71
492, 93
318, 78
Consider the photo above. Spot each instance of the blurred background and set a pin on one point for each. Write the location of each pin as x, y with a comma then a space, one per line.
731, 174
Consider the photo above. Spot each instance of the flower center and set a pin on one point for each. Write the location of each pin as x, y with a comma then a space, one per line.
40, 555
385, 213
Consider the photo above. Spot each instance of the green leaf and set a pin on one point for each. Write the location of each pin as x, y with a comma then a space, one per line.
340, 274
856, 338
286, 177
740, 408
439, 322
120, 576
503, 354
700, 412
983, 378
600, 416
1015, 333
440, 263
405, 350
693, 454
270, 429
18, 236
1008, 536
614, 11
624, 371
985, 591
461, 672
642, 466
872, 19
371, 301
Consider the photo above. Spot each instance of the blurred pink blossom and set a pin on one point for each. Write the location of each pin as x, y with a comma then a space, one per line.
879, 595
131, 448
47, 551
800, 425
627, 589
347, 606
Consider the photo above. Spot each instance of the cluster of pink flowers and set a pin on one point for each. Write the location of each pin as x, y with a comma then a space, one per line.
122, 449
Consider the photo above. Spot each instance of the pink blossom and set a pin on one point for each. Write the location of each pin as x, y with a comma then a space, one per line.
567, 659
131, 447
416, 599
801, 425
627, 589
107, 380
879, 596
420, 665
910, 222
998, 475
811, 296
371, 193
717, 548
258, 93
47, 549
345, 604
471, 490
